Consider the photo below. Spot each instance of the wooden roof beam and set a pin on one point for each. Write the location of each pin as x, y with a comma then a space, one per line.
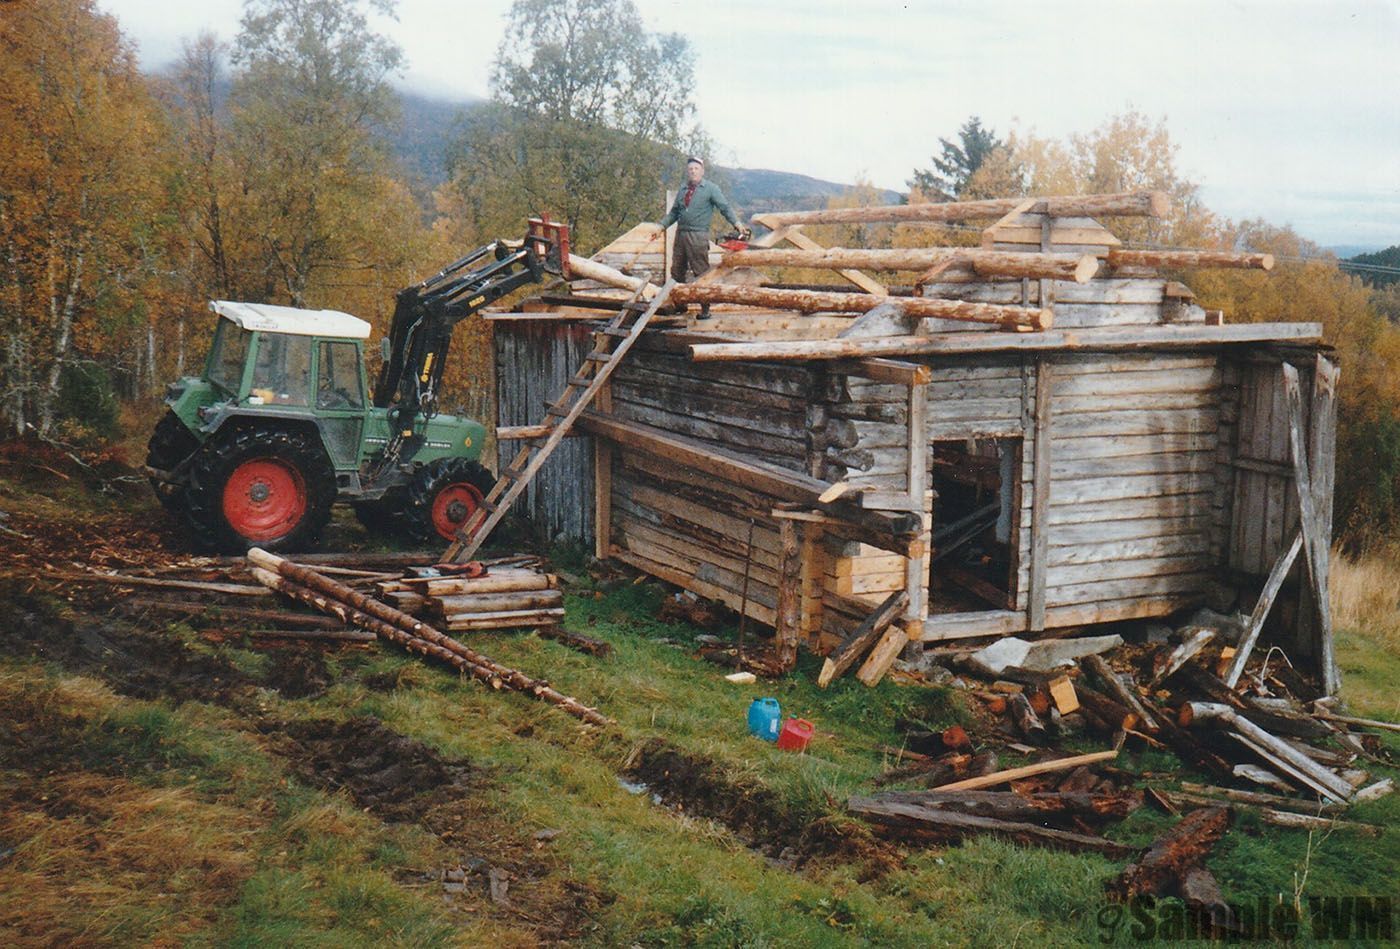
1130, 204
820, 301
989, 263
1188, 259
1107, 339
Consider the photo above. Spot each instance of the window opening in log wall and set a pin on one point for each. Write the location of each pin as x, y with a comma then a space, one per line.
976, 524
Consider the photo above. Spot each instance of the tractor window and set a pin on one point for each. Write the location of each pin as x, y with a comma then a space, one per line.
339, 385
228, 355
282, 371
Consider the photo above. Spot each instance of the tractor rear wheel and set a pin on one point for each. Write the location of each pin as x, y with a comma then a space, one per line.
171, 443
260, 488
442, 496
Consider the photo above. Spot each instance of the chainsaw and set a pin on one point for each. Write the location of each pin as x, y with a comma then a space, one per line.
737, 239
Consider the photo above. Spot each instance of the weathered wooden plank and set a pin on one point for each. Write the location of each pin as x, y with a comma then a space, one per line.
1163, 507
1040, 495
1108, 551
1079, 593
1101, 571
1322, 443
1167, 463
532, 364
1091, 490
1093, 446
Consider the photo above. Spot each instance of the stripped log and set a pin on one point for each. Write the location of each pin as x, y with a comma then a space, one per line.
285, 618
1164, 665
1259, 798
950, 825
1079, 268
1117, 716
1027, 771
585, 644
1133, 204
495, 602
1120, 690
1220, 260
1099, 339
1027, 722
503, 619
856, 645
1172, 854
126, 580
1008, 805
582, 267
357, 609
826, 301
1302, 767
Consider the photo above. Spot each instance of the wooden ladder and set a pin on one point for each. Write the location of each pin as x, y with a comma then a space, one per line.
613, 342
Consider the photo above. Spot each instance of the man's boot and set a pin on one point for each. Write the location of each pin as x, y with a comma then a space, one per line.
704, 312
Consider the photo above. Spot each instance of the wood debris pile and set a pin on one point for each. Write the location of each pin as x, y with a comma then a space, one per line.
1272, 746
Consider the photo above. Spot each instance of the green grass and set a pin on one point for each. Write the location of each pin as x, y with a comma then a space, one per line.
207, 836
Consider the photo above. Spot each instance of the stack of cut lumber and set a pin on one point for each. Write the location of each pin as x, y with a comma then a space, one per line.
506, 597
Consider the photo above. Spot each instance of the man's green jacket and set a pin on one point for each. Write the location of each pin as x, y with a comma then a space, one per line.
706, 200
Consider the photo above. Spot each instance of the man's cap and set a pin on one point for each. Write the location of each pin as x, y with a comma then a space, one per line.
694, 160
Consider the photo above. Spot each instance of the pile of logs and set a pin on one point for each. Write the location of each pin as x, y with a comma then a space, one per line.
357, 609
1272, 745
508, 596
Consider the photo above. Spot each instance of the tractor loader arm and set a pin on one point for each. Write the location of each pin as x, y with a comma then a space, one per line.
427, 313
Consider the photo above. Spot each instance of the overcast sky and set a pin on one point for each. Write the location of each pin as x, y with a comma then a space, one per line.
1283, 109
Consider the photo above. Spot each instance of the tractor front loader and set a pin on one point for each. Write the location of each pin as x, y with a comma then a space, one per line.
281, 424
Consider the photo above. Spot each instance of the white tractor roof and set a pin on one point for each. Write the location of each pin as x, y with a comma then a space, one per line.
289, 319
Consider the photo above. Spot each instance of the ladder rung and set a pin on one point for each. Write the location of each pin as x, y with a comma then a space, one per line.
616, 331
581, 380
511, 472
557, 411
597, 356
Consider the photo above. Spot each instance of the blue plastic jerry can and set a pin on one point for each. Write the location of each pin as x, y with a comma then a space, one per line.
765, 718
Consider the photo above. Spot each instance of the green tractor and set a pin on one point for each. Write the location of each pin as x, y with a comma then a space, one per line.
281, 424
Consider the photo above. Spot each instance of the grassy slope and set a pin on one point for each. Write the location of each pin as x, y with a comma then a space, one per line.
180, 823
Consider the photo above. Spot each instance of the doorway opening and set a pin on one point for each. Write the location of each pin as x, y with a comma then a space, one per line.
976, 524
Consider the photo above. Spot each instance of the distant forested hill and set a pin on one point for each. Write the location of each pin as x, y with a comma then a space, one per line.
430, 125
1390, 257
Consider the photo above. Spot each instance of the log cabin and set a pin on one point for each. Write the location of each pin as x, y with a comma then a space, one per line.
1038, 433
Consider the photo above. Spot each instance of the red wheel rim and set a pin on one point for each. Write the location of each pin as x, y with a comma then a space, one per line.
452, 507
264, 499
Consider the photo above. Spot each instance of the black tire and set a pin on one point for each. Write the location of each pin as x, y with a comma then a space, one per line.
171, 443
383, 515
276, 484
461, 477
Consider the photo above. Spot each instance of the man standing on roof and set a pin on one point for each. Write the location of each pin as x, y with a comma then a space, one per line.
693, 209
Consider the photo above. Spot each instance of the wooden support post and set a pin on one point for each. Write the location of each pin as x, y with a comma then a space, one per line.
1261, 610
854, 646
1322, 465
1040, 495
789, 625
603, 455
1316, 537
916, 567
813, 570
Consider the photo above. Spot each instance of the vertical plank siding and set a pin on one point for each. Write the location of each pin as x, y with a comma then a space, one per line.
533, 362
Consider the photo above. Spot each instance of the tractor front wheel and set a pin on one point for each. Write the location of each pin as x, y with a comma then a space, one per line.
443, 495
258, 488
